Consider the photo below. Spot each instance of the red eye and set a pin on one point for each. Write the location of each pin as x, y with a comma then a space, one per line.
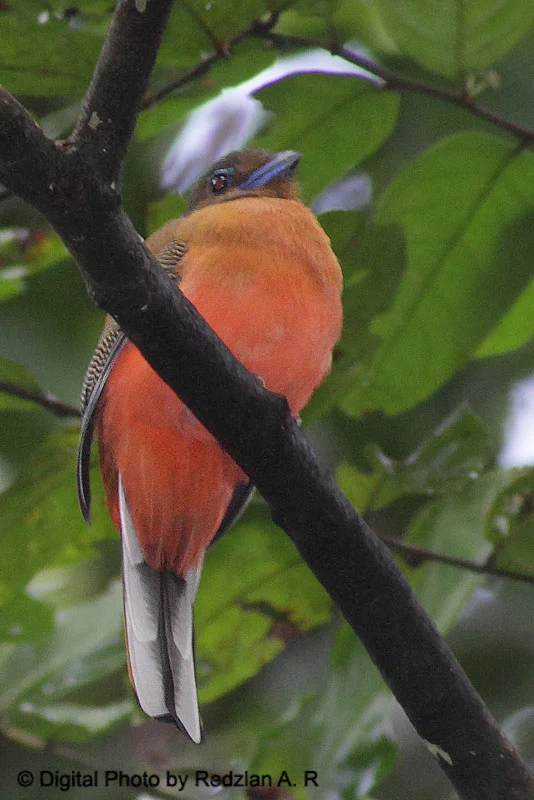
218, 183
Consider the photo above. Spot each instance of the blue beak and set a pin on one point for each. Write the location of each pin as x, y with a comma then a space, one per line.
279, 164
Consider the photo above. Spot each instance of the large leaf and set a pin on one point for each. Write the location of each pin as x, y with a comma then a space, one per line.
196, 27
461, 524
446, 461
372, 259
70, 721
339, 732
24, 253
334, 120
36, 57
460, 278
41, 526
517, 326
513, 530
456, 37
254, 595
86, 645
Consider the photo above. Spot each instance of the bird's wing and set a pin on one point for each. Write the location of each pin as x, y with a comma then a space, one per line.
108, 348
240, 499
158, 614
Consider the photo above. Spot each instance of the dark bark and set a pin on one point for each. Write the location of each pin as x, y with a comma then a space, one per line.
74, 184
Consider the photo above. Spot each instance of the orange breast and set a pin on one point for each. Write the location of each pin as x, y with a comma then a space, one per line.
263, 276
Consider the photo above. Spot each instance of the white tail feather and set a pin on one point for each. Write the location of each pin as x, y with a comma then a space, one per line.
158, 613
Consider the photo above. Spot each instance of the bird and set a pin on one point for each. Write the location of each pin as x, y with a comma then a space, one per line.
256, 264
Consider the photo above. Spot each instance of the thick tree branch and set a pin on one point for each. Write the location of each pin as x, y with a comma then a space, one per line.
23, 142
256, 428
105, 127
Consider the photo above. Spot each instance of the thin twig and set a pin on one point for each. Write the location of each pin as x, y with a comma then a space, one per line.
402, 83
48, 401
205, 28
418, 555
256, 28
393, 80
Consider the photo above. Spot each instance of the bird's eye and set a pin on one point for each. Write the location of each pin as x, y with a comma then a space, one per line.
218, 182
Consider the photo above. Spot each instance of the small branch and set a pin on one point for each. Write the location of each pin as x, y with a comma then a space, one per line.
204, 27
402, 83
192, 74
393, 80
48, 401
256, 28
109, 111
419, 555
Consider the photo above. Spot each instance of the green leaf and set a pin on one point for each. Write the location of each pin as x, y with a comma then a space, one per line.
460, 524
86, 645
339, 731
196, 28
23, 254
319, 8
516, 327
448, 460
25, 619
40, 521
334, 120
372, 259
453, 203
215, 17
513, 525
36, 58
455, 38
254, 595
161, 211
517, 554
361, 20
71, 722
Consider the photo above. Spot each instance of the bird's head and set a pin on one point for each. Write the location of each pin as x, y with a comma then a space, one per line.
246, 173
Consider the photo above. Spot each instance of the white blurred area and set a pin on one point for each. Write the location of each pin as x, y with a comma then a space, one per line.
230, 120
518, 447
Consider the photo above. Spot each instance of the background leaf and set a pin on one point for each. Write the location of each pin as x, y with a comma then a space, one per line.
454, 288
453, 38
265, 597
315, 108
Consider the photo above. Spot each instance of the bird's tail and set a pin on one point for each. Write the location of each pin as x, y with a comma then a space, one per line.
158, 614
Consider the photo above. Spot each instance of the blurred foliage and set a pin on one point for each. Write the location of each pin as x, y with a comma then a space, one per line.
439, 303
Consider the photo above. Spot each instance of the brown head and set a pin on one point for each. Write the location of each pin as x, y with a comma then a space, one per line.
246, 173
